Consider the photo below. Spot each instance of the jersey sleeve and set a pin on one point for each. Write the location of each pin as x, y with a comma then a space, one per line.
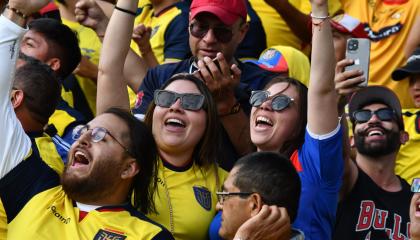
14, 143
146, 91
176, 38
163, 235
321, 158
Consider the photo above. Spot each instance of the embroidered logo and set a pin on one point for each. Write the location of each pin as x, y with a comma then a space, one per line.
105, 234
59, 216
203, 197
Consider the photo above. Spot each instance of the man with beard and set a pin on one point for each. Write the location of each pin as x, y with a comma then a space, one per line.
111, 164
376, 205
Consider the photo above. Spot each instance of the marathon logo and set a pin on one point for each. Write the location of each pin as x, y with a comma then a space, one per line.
203, 197
383, 33
108, 235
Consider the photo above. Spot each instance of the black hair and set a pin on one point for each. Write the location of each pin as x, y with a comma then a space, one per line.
143, 148
291, 145
41, 89
62, 43
273, 177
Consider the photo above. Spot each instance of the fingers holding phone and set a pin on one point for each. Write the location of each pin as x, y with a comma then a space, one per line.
348, 81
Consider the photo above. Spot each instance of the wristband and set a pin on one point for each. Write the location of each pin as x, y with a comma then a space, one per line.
126, 11
17, 12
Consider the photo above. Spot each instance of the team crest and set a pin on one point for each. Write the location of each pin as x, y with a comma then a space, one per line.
109, 234
203, 197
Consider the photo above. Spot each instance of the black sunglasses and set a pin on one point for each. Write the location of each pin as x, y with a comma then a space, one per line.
364, 115
97, 135
222, 196
222, 34
278, 101
189, 101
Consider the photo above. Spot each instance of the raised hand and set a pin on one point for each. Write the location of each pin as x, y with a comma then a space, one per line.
89, 14
271, 223
141, 35
221, 79
346, 82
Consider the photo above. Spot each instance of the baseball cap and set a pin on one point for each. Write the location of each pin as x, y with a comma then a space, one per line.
411, 67
376, 94
285, 59
345, 23
228, 11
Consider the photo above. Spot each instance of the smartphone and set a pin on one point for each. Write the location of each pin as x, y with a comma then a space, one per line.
415, 186
358, 49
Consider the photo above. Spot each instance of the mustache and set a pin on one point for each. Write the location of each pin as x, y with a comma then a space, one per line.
365, 132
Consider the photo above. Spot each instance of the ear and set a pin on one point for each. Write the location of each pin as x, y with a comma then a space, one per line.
17, 97
243, 30
404, 137
255, 204
54, 64
131, 169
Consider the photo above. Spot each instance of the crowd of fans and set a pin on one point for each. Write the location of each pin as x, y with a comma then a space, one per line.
209, 119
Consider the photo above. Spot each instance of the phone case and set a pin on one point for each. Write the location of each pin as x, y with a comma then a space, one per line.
358, 49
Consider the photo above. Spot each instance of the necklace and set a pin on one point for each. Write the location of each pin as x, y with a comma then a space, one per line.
171, 212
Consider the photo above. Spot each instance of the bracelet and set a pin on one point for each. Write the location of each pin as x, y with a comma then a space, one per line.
17, 12
126, 11
235, 109
319, 17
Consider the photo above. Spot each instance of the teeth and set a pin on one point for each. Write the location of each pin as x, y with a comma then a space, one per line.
174, 121
375, 132
265, 120
80, 157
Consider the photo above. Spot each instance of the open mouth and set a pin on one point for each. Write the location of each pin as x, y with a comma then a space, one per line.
263, 121
174, 122
80, 159
375, 133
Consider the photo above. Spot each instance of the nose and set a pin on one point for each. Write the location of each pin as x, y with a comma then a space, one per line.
219, 206
266, 105
85, 138
374, 119
210, 37
176, 106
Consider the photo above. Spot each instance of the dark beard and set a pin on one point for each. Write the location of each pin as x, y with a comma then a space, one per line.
391, 144
94, 187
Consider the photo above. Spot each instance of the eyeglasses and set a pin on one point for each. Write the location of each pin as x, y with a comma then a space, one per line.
364, 115
278, 102
222, 34
222, 196
97, 135
189, 101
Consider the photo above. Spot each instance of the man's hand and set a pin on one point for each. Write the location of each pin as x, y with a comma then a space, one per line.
89, 14
271, 223
415, 217
87, 69
222, 80
27, 7
346, 82
141, 35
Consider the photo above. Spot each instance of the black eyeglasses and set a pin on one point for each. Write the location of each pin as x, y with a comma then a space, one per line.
278, 101
222, 196
364, 115
97, 135
189, 101
222, 34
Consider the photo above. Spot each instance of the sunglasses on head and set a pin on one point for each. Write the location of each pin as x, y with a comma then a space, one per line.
222, 34
364, 115
189, 101
278, 101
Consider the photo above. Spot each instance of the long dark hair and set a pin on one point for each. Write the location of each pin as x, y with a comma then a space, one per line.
291, 145
208, 150
143, 148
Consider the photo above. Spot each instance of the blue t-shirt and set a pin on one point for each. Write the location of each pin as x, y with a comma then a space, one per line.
320, 166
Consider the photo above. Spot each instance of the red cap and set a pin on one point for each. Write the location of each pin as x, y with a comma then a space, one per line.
228, 11
347, 24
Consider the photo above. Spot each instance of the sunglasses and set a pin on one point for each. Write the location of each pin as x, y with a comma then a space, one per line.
222, 34
97, 135
415, 186
364, 115
189, 101
278, 101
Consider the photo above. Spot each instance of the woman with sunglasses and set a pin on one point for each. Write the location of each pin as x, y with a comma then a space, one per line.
303, 124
